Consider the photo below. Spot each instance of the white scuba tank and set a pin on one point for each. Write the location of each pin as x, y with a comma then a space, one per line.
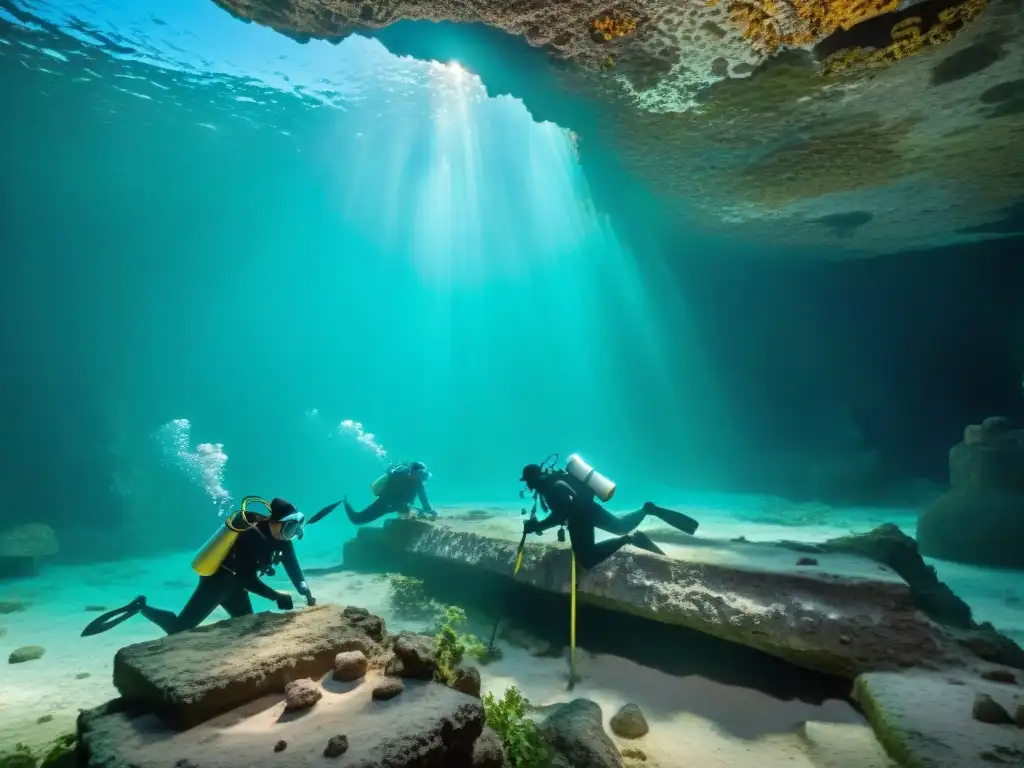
602, 487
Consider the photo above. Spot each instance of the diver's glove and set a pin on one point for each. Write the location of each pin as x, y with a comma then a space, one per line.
306, 593
284, 601
431, 513
531, 526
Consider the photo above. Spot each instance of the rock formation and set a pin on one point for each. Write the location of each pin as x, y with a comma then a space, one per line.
21, 548
849, 128
271, 673
846, 616
981, 519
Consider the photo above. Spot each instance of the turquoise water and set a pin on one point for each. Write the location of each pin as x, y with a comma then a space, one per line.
214, 223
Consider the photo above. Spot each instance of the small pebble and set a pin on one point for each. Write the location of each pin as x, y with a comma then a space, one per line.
44, 719
999, 676
336, 746
82, 675
387, 688
845, 640
185, 763
95, 608
988, 710
807, 561
281, 746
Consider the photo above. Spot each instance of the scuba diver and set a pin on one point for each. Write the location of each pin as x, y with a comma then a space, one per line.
395, 490
248, 545
570, 496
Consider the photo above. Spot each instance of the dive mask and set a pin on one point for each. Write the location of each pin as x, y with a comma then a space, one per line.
292, 526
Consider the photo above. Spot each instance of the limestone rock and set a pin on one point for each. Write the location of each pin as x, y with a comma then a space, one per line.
26, 653
301, 694
981, 519
349, 665
467, 680
925, 719
336, 746
415, 654
21, 548
629, 722
488, 751
192, 676
844, 617
387, 688
576, 732
434, 726
988, 710
30, 540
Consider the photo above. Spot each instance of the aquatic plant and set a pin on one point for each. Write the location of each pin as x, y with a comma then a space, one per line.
613, 26
21, 757
524, 747
60, 749
408, 597
448, 647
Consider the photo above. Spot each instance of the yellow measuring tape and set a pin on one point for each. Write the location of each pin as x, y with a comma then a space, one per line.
572, 625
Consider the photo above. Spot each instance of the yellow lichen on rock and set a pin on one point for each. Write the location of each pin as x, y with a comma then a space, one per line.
613, 26
907, 39
770, 24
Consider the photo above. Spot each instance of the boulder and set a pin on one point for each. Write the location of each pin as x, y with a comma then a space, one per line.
576, 732
847, 616
189, 677
22, 546
467, 680
488, 751
301, 694
925, 719
414, 656
26, 653
431, 725
629, 722
387, 689
981, 519
349, 666
988, 710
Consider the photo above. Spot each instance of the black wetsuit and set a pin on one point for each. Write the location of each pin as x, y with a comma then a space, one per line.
577, 508
255, 551
402, 488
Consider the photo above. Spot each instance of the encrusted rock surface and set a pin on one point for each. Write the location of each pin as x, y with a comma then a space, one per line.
771, 144
576, 732
192, 676
429, 725
848, 616
927, 720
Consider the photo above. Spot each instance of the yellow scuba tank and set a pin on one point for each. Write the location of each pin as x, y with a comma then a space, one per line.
602, 487
211, 555
377, 486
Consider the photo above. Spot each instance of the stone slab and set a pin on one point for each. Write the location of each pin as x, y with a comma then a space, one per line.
924, 719
192, 676
844, 616
427, 725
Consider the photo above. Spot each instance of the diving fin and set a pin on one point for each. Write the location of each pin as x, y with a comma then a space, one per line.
677, 520
643, 541
111, 619
323, 513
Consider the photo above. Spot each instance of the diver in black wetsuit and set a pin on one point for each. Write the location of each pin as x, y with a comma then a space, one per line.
573, 504
255, 551
396, 490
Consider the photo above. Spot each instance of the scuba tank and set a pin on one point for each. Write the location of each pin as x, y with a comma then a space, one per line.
211, 555
378, 485
600, 485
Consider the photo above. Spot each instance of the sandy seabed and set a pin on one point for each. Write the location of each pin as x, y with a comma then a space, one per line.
693, 720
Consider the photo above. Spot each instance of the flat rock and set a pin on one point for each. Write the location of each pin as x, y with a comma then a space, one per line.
430, 725
190, 677
925, 719
847, 616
